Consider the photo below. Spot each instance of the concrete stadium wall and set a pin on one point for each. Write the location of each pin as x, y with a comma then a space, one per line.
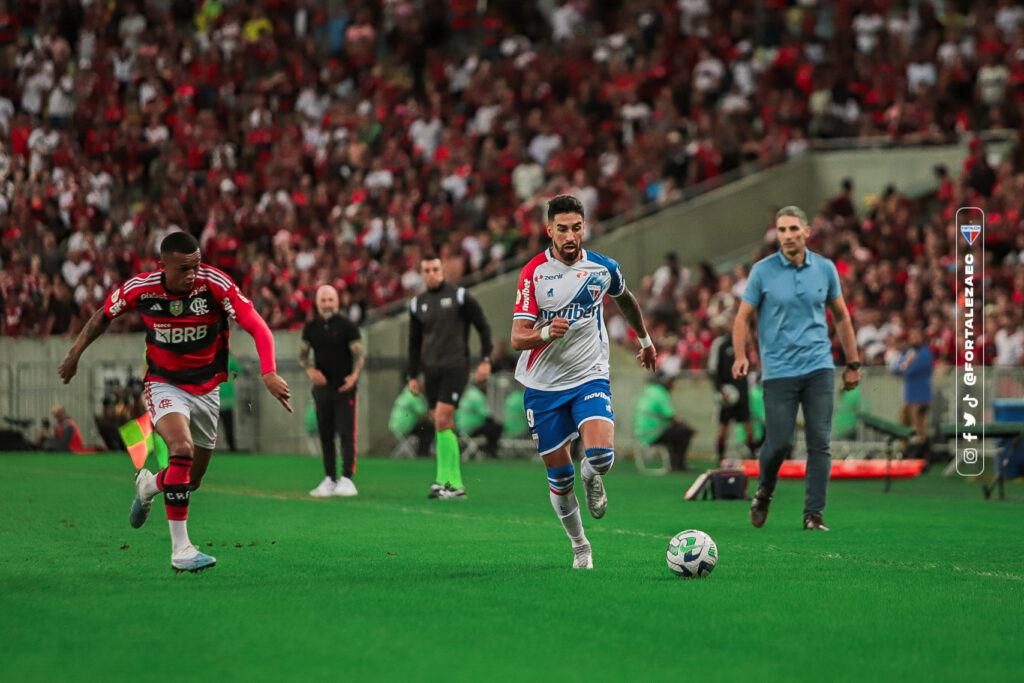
727, 220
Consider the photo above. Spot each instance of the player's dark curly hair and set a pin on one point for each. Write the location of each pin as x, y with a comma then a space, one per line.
564, 203
179, 243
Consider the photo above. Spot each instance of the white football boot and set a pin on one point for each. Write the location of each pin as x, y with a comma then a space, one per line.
597, 499
583, 557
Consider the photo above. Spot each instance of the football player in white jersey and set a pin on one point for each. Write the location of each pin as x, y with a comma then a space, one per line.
558, 324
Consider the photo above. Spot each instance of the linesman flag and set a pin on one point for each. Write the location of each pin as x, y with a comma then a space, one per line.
140, 440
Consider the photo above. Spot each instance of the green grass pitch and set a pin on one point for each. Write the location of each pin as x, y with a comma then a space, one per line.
924, 583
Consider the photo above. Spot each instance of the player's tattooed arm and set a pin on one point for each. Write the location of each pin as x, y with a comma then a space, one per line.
648, 355
358, 355
627, 303
314, 375
96, 326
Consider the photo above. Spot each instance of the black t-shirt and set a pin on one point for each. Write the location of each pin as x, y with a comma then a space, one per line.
62, 312
721, 356
330, 341
439, 322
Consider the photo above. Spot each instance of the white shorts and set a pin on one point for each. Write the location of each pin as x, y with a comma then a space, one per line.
202, 411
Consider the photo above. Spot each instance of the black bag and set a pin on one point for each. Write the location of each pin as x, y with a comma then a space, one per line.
721, 484
728, 485
13, 440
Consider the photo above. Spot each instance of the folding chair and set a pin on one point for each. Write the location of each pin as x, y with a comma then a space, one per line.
469, 448
652, 460
405, 448
516, 448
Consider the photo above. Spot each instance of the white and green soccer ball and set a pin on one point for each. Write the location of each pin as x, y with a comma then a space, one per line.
691, 554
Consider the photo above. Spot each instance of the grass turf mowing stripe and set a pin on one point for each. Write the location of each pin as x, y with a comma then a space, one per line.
390, 585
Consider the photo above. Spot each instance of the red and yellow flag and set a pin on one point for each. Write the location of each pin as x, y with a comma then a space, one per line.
139, 438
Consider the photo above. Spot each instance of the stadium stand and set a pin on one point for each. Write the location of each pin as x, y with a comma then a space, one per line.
893, 254
309, 142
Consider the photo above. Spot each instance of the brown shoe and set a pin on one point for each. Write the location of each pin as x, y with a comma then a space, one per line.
814, 522
759, 507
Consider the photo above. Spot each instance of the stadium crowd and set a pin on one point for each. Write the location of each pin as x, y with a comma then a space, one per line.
896, 262
308, 142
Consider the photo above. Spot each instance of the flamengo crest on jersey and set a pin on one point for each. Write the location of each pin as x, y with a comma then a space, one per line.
549, 289
186, 336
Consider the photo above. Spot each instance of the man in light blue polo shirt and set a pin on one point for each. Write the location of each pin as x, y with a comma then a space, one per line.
788, 291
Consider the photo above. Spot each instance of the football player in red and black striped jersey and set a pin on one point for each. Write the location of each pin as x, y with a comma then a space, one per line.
186, 307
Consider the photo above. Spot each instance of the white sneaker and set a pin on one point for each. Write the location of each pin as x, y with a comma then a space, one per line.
325, 489
192, 560
583, 557
345, 488
597, 499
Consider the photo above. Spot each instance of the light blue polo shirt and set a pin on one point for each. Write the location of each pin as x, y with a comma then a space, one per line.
790, 303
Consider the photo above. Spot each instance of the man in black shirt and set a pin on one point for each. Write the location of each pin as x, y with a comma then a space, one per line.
732, 395
337, 361
439, 321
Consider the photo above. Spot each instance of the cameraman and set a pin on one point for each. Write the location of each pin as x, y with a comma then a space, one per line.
66, 436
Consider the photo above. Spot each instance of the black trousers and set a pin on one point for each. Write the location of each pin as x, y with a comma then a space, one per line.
228, 418
677, 439
336, 416
425, 435
490, 430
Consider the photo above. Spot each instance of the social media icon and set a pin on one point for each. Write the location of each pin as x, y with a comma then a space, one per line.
970, 455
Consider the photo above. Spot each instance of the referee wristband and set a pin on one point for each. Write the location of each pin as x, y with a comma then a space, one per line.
545, 333
645, 342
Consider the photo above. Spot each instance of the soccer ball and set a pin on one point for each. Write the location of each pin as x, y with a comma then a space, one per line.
729, 395
691, 554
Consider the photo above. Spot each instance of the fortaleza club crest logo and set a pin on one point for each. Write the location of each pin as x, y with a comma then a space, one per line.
176, 307
970, 233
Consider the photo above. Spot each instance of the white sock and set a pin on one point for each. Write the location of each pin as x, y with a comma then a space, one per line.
586, 470
180, 545
568, 510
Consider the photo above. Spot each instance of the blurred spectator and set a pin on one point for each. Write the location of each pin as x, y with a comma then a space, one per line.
1009, 341
915, 366
65, 435
326, 138
515, 424
473, 418
655, 421
895, 263
410, 417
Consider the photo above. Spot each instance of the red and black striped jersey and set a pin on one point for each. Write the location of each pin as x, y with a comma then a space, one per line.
186, 335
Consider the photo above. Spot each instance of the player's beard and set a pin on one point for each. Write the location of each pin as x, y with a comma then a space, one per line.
569, 256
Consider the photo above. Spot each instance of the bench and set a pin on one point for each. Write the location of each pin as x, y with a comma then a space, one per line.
894, 430
1013, 431
991, 430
